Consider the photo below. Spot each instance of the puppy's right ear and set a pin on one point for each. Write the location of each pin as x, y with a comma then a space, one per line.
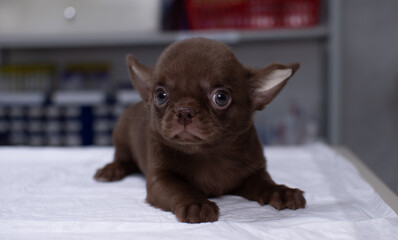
140, 76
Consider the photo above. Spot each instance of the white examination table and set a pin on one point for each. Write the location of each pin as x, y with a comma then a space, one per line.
49, 193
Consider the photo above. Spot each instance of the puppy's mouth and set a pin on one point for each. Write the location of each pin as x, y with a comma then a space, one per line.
187, 138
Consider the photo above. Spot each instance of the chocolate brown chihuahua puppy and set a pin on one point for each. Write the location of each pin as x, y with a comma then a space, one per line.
193, 136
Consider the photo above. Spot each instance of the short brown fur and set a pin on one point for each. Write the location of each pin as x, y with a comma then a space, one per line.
200, 142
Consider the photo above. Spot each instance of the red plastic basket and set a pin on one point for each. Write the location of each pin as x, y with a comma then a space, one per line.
301, 13
251, 14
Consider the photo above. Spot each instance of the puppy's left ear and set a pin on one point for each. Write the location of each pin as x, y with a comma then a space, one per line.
140, 76
269, 81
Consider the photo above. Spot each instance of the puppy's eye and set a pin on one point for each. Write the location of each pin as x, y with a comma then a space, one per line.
221, 98
160, 96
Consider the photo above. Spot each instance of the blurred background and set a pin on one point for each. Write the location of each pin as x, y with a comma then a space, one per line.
64, 82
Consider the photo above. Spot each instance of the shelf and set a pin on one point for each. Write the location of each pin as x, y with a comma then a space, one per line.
78, 97
93, 97
82, 97
127, 96
156, 38
21, 98
318, 32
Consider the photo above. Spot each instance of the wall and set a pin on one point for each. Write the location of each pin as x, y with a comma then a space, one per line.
370, 84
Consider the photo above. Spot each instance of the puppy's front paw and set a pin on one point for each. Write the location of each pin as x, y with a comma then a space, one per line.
205, 211
281, 197
111, 172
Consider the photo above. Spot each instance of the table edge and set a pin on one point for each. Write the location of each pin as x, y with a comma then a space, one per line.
379, 186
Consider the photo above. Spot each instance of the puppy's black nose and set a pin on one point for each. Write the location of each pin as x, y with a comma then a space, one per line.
185, 115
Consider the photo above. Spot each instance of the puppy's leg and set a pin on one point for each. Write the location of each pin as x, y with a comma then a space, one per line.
121, 166
171, 193
261, 188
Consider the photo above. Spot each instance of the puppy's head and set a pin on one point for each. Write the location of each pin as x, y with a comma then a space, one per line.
200, 94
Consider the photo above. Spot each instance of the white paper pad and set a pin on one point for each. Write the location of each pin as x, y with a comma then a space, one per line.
49, 193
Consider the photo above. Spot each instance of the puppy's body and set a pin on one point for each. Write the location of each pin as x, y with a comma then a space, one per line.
218, 170
193, 136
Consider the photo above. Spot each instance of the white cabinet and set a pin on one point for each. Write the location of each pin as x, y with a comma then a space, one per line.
78, 16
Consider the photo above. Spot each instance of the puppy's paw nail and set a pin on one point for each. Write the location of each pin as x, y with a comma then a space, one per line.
281, 197
205, 211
